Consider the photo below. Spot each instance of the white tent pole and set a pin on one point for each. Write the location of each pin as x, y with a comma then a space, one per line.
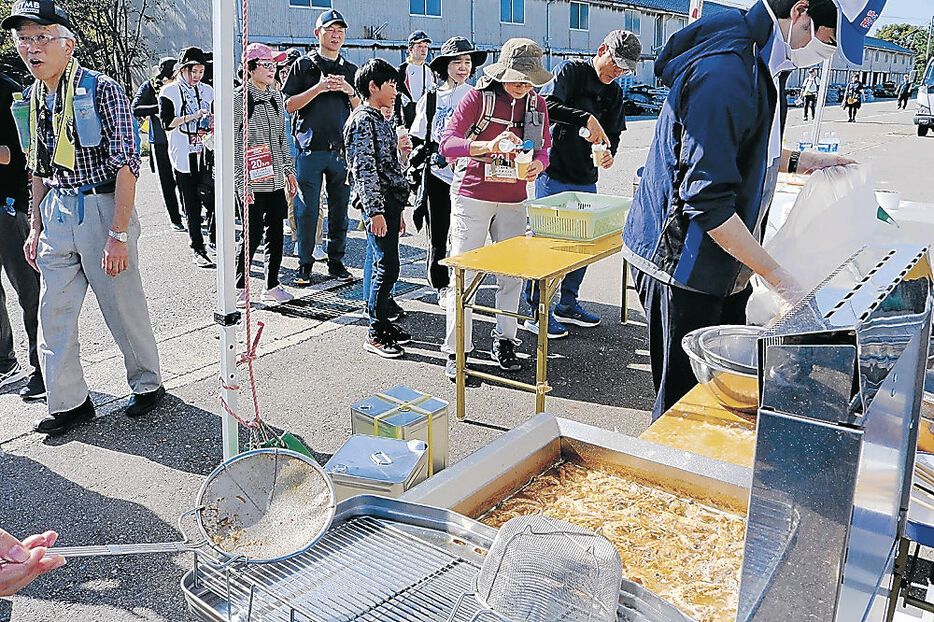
821, 100
225, 20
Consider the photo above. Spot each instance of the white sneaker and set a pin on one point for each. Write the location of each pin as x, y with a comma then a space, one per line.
241, 299
319, 254
443, 294
277, 295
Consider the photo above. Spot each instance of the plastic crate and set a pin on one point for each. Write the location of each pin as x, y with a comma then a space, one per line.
580, 216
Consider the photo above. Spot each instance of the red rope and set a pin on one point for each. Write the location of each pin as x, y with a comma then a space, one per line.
249, 355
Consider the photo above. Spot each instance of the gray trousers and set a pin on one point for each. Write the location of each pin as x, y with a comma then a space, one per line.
14, 228
69, 260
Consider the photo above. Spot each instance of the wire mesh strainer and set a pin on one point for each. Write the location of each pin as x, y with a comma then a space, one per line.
542, 569
260, 506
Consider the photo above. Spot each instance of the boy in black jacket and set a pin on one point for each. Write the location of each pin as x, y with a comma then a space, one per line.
380, 190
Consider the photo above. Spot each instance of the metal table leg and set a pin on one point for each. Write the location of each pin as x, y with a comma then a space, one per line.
624, 307
461, 407
546, 289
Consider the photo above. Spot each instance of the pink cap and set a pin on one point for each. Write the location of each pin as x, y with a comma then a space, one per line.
258, 51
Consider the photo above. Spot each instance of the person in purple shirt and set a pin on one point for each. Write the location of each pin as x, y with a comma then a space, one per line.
488, 192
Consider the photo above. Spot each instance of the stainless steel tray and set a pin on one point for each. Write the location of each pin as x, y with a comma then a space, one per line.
382, 560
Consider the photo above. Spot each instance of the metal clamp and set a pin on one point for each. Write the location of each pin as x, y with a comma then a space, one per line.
230, 319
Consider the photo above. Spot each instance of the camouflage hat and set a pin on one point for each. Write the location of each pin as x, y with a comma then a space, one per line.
625, 48
519, 61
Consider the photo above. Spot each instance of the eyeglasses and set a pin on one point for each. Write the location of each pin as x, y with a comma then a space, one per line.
38, 40
266, 64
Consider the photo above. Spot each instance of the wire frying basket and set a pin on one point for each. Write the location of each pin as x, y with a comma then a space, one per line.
542, 569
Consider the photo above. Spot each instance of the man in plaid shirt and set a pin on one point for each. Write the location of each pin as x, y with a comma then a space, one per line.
83, 153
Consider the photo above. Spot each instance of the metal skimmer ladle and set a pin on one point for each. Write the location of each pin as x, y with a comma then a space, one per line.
260, 506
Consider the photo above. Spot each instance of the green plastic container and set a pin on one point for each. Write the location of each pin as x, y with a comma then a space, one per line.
580, 216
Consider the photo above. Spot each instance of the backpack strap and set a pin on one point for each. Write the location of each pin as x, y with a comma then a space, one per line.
489, 101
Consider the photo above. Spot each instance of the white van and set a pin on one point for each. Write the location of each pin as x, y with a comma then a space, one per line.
924, 117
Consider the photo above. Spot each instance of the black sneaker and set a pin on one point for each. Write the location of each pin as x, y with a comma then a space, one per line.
504, 353
15, 374
398, 335
338, 271
34, 389
382, 344
304, 275
201, 259
61, 422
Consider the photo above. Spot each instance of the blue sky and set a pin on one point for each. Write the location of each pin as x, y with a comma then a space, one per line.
916, 12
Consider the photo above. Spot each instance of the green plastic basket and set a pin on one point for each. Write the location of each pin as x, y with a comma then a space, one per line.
580, 216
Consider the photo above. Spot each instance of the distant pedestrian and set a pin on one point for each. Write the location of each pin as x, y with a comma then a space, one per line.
146, 106
583, 96
84, 228
185, 108
14, 229
853, 97
809, 93
269, 168
904, 92
320, 94
456, 63
380, 191
488, 126
415, 78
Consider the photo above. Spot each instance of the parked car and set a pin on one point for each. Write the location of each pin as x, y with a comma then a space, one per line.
924, 117
885, 90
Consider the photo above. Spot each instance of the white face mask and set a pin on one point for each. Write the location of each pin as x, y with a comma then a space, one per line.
815, 52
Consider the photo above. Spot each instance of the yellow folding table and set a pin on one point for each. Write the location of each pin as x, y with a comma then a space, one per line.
540, 259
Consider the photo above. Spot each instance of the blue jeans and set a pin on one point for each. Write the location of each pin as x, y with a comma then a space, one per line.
383, 269
545, 186
368, 263
314, 168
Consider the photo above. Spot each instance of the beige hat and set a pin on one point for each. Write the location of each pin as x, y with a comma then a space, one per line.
520, 61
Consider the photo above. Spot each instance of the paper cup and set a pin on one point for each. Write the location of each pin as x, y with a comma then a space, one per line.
597, 153
523, 161
888, 199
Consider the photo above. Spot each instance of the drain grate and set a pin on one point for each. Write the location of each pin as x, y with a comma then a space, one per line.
333, 302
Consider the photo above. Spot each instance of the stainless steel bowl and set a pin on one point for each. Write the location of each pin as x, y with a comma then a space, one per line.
735, 385
732, 346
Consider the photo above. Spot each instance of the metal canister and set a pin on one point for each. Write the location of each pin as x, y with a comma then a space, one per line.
373, 465
404, 413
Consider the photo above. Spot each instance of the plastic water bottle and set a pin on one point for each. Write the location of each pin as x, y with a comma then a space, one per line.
805, 143
824, 145
584, 133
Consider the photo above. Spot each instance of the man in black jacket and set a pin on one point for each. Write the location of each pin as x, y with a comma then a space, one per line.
146, 105
585, 106
14, 228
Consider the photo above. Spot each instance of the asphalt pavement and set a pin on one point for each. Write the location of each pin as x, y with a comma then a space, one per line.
118, 480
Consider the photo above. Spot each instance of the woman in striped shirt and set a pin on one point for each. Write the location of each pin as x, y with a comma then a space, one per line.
268, 166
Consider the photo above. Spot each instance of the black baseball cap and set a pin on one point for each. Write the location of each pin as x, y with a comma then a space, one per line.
418, 37
329, 17
43, 12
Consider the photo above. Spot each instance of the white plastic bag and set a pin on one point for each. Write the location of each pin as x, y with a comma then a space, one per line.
835, 214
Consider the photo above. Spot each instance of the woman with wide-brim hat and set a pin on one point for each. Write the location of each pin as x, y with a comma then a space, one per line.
456, 64
486, 131
185, 108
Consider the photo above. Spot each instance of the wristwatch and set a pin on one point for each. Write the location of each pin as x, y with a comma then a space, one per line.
120, 236
793, 162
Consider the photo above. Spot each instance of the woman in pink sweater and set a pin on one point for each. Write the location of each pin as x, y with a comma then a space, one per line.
502, 118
